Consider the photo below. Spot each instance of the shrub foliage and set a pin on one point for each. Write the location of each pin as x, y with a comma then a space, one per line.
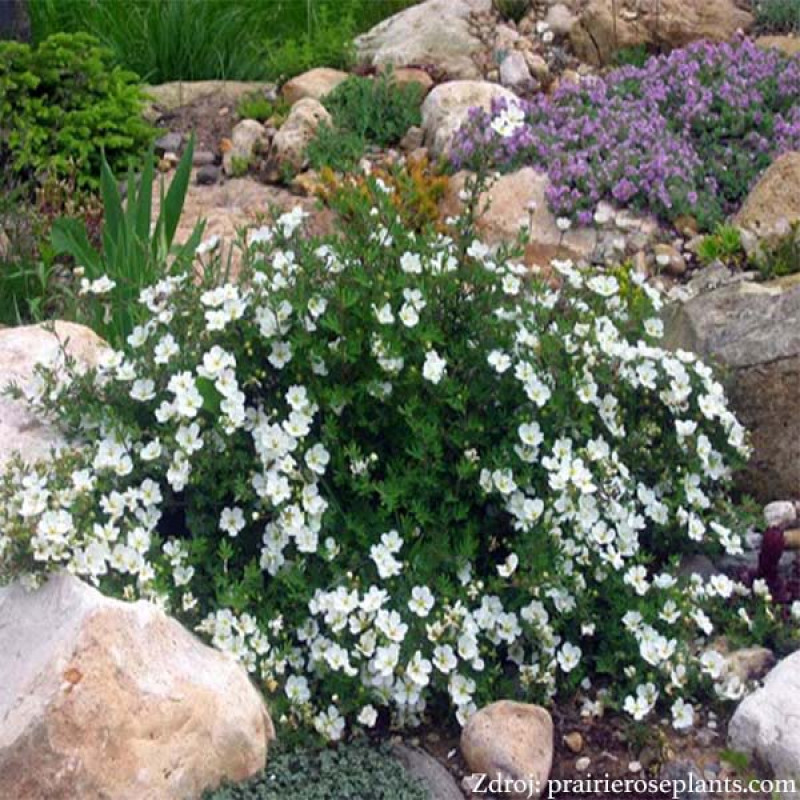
62, 104
395, 477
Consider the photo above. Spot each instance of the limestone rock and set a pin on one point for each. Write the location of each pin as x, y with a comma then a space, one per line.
560, 19
753, 331
774, 202
518, 200
21, 349
402, 76
514, 73
315, 83
749, 663
247, 138
599, 33
781, 512
510, 741
447, 107
290, 142
435, 32
105, 699
167, 97
765, 723
437, 780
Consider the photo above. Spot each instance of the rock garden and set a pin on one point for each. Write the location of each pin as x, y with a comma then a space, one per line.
399, 399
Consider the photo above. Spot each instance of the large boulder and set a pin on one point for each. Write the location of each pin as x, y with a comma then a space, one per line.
765, 724
111, 700
510, 741
752, 330
436, 32
290, 143
315, 83
447, 107
518, 201
21, 350
774, 202
605, 26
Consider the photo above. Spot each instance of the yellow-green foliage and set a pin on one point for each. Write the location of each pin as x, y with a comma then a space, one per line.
62, 105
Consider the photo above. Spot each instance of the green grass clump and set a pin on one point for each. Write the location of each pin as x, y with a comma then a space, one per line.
778, 16
169, 40
365, 111
723, 244
28, 291
354, 771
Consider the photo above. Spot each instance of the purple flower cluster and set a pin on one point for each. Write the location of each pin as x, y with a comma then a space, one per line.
688, 133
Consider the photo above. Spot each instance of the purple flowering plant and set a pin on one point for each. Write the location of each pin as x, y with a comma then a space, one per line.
686, 134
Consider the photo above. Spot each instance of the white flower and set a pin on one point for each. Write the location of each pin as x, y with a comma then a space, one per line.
411, 263
368, 716
682, 715
434, 367
384, 314
444, 659
208, 245
317, 459
499, 360
569, 656
231, 521
508, 567
421, 601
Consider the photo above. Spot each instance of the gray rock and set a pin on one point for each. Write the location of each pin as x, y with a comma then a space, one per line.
413, 139
169, 143
683, 775
203, 157
560, 19
291, 141
439, 782
435, 32
514, 73
207, 175
765, 724
752, 331
781, 512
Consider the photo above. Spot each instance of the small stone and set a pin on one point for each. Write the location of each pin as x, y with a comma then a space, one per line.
170, 141
781, 512
203, 157
207, 175
583, 763
164, 165
750, 663
246, 139
682, 774
315, 83
514, 73
306, 184
414, 139
538, 66
634, 766
574, 741
171, 158
669, 259
560, 19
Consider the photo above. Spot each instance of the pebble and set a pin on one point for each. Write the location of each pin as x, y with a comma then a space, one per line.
583, 763
780, 513
202, 158
574, 741
635, 766
207, 175
169, 142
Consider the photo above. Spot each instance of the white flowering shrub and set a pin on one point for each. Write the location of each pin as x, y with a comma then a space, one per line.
392, 475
